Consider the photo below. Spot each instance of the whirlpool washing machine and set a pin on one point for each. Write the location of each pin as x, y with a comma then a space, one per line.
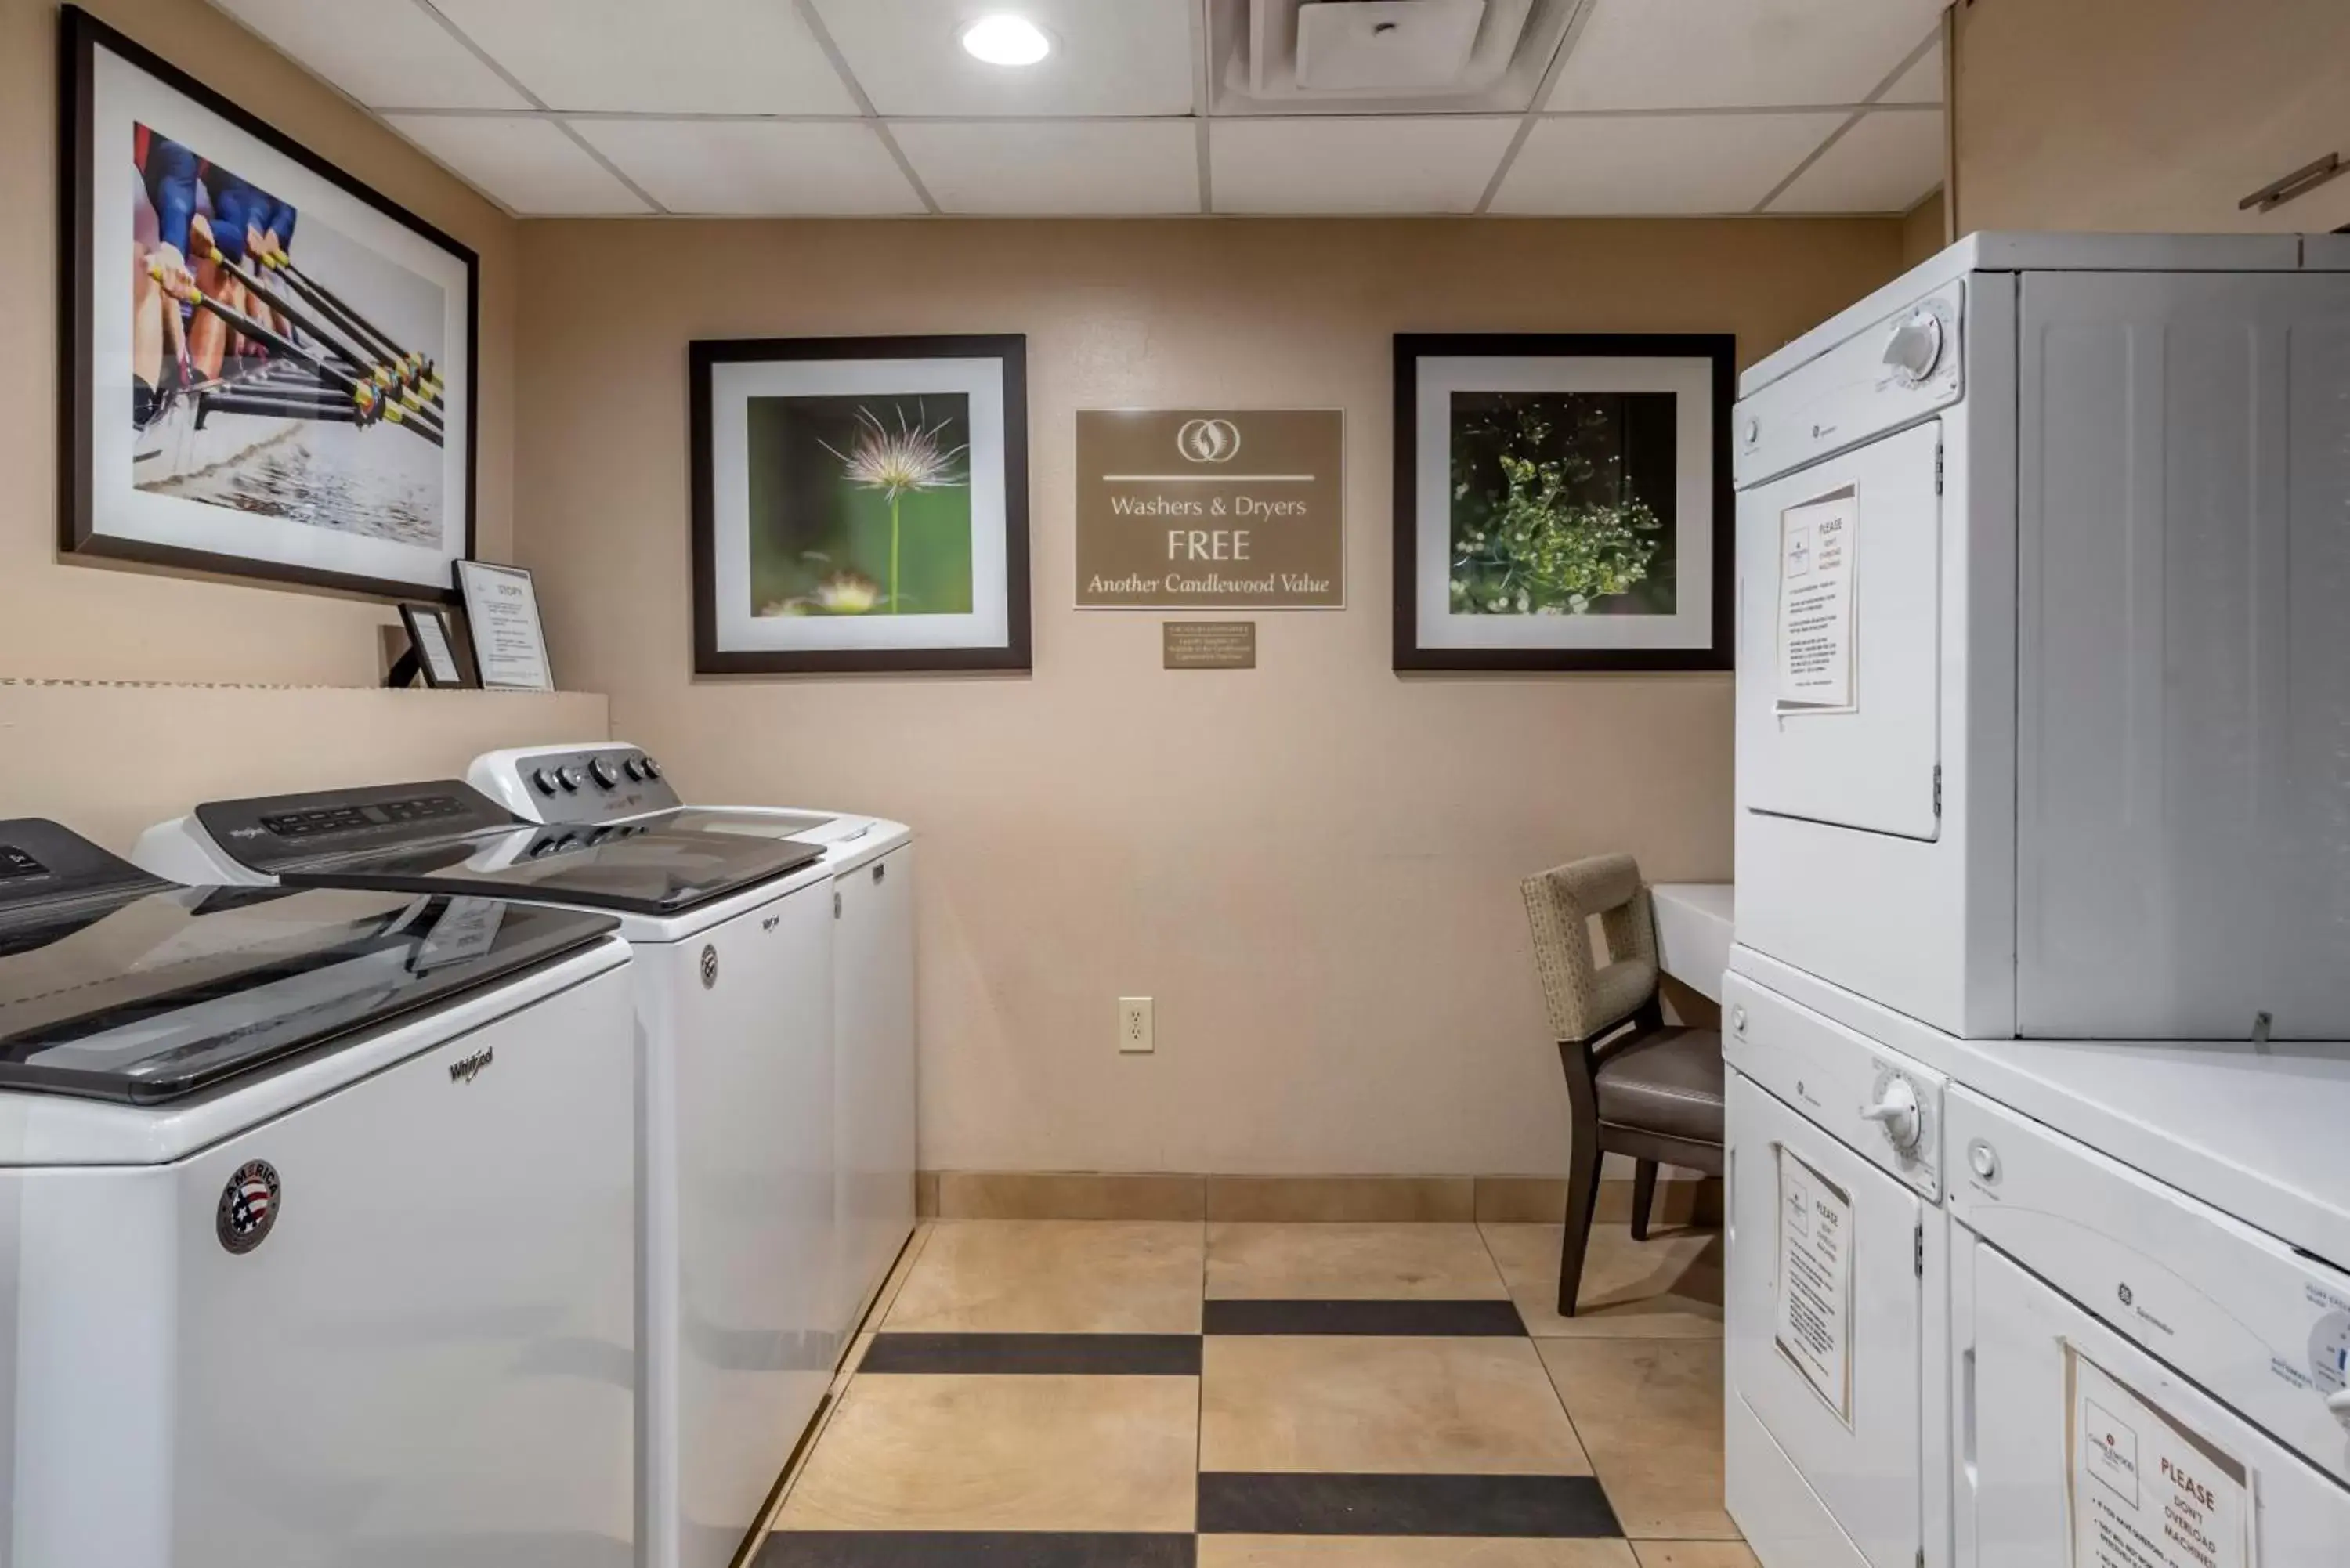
872, 863
317, 1211
733, 940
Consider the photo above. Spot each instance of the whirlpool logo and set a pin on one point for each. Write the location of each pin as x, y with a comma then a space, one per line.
1208, 440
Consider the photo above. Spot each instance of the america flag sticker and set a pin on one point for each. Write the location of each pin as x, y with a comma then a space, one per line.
248, 1207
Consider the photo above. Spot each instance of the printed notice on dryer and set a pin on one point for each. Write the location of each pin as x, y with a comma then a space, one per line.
2145, 1490
1814, 1312
1817, 577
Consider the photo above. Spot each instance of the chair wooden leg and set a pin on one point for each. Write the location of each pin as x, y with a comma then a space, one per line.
1582, 1201
1644, 1196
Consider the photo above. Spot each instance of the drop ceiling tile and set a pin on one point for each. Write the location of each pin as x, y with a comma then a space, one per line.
1029, 167
1431, 163
680, 57
1887, 164
382, 52
1738, 54
1613, 163
527, 165
1921, 83
1109, 56
740, 168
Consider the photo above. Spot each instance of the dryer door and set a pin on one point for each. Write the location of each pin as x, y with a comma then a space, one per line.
1825, 1320
2074, 1445
1839, 605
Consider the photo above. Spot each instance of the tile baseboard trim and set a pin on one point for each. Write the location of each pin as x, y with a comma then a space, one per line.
1458, 1199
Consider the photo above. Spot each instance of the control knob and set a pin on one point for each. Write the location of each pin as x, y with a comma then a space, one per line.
568, 777
652, 769
630, 768
601, 771
542, 781
1915, 348
1896, 1112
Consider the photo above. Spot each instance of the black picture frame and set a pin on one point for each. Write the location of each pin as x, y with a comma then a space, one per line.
705, 355
421, 621
79, 36
1719, 350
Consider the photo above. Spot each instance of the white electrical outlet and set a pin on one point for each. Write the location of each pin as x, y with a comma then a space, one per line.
1134, 1024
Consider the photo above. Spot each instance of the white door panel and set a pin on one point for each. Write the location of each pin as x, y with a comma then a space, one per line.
1864, 1469
873, 1000
2010, 1474
1873, 766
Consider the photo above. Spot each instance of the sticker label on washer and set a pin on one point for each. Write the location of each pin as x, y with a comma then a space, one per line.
1813, 1316
1818, 572
2143, 1489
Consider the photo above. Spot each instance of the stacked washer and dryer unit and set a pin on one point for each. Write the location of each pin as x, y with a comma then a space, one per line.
2040, 1198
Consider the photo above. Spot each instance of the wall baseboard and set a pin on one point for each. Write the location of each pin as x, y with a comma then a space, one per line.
1112, 1195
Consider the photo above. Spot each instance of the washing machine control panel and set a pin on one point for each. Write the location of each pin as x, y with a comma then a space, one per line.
1884, 1107
2260, 1325
574, 784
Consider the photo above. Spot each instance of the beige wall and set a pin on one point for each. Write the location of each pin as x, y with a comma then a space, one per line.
62, 621
2147, 114
1311, 867
1922, 230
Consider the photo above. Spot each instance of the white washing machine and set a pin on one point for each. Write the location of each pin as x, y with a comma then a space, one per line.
1836, 1405
315, 1210
872, 863
2142, 1377
733, 942
2041, 714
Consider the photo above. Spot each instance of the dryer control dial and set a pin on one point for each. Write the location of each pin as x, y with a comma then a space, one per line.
601, 771
1915, 349
1896, 1110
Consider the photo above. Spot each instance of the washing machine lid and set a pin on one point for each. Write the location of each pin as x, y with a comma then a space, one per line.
117, 986
764, 823
447, 837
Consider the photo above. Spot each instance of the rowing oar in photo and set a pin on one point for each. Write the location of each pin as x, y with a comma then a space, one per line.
364, 395
397, 379
426, 376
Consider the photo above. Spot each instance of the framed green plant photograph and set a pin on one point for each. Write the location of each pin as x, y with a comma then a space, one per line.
860, 504
1563, 501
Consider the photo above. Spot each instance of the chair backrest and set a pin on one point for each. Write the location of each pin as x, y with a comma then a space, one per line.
1586, 997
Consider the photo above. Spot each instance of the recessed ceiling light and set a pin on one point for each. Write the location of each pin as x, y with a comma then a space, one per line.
1006, 40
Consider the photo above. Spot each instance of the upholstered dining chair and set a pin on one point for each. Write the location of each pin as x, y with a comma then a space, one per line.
1635, 1084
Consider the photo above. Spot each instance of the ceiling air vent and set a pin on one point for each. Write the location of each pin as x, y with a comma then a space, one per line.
1352, 56
1386, 46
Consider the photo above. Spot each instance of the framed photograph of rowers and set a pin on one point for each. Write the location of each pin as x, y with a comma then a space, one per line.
859, 505
267, 367
1563, 501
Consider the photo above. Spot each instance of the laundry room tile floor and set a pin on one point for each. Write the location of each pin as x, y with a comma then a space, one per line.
1101, 1394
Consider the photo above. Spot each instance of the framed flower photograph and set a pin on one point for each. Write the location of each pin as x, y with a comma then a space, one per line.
266, 367
860, 504
1563, 501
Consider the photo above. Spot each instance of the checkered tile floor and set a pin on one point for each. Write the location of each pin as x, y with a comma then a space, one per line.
1145, 1395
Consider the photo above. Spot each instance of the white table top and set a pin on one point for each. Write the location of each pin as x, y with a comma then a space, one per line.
1693, 932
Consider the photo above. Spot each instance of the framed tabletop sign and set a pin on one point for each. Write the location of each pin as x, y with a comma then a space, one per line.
1563, 501
509, 640
860, 503
267, 367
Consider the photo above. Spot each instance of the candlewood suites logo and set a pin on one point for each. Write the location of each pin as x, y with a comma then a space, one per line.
1208, 441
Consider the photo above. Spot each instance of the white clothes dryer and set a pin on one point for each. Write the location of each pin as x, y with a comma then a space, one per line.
872, 863
317, 1211
733, 942
2040, 706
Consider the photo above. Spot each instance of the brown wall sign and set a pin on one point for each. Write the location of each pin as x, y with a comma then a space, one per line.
1208, 644
1199, 508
